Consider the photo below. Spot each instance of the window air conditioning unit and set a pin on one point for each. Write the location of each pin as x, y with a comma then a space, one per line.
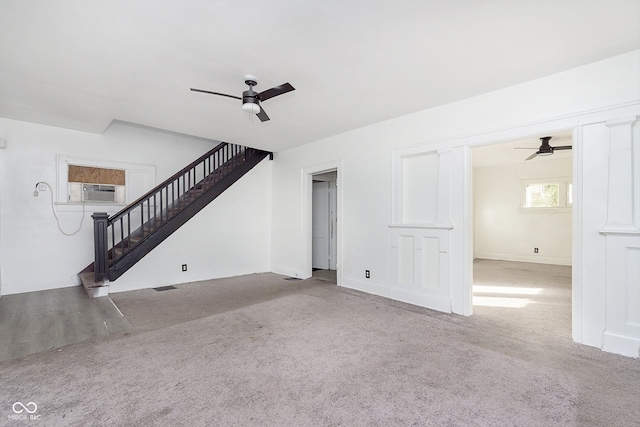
98, 193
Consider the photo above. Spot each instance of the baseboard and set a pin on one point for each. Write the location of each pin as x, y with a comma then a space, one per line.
125, 284
287, 271
11, 289
423, 300
621, 344
432, 302
523, 258
368, 287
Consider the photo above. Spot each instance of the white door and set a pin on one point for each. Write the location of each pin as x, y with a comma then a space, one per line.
320, 226
333, 225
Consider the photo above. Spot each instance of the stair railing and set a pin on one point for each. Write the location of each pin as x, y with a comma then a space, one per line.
116, 235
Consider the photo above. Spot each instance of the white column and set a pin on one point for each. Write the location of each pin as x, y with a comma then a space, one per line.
461, 234
622, 232
444, 188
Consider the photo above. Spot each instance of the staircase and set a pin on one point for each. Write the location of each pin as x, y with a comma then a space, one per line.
120, 241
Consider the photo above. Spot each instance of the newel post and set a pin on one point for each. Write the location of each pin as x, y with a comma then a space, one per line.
101, 246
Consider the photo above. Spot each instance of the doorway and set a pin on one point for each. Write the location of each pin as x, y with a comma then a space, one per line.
324, 203
523, 242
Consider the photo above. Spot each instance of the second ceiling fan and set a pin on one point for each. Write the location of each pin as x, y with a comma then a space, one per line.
251, 99
545, 148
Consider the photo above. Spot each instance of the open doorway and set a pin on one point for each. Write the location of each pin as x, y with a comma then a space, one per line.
324, 226
523, 234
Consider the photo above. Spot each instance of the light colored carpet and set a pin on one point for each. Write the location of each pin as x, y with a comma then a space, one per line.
260, 350
524, 295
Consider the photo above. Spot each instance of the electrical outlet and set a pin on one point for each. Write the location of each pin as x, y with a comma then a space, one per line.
535, 250
367, 274
184, 267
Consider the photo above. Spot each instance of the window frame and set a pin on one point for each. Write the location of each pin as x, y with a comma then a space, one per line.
564, 185
62, 180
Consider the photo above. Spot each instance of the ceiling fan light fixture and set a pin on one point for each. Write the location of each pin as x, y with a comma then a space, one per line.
251, 108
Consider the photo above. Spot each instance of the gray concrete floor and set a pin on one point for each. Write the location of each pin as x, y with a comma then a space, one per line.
38, 321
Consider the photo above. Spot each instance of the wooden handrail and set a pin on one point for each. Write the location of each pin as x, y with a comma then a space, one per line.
151, 218
167, 181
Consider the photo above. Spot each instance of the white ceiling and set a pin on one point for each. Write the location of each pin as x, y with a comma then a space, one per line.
83, 63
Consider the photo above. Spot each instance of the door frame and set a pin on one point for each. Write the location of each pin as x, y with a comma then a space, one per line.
576, 205
307, 211
552, 126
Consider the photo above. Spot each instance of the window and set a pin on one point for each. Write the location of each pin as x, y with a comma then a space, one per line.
542, 195
129, 180
547, 194
93, 184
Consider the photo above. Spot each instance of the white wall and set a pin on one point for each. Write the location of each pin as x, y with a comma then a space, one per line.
36, 256
503, 230
367, 182
229, 237
3, 146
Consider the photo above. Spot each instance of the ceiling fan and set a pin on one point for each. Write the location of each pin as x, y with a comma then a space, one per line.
251, 99
545, 149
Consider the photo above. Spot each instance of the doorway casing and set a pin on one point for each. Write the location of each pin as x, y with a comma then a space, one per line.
589, 285
307, 211
595, 133
551, 127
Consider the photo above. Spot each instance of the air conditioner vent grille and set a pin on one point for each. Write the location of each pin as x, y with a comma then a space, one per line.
98, 193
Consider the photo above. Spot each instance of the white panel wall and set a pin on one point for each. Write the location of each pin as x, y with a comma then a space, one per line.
503, 230
420, 188
421, 219
622, 234
420, 267
231, 236
581, 97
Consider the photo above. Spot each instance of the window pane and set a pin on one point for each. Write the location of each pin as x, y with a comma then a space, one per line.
570, 194
542, 196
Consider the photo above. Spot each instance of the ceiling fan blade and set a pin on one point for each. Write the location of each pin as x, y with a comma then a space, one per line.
275, 91
216, 93
563, 147
262, 115
531, 156
525, 148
